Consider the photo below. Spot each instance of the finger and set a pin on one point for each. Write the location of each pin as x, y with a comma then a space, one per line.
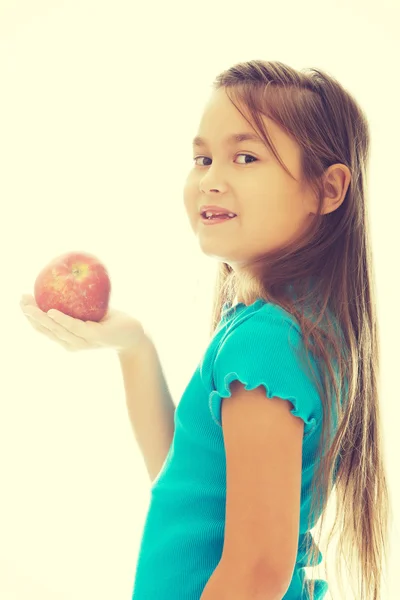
78, 327
50, 335
49, 327
27, 299
54, 324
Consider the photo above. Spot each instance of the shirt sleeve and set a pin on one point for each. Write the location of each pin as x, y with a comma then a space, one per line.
261, 350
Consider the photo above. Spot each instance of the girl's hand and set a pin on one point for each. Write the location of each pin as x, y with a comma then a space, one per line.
117, 330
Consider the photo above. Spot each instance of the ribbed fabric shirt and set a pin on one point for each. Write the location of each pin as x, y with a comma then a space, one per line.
183, 534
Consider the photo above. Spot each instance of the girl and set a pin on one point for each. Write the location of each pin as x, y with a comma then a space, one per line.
284, 406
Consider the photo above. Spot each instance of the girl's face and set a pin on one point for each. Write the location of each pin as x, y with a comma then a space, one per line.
271, 208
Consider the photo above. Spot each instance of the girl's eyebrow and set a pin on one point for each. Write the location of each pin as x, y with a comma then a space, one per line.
231, 140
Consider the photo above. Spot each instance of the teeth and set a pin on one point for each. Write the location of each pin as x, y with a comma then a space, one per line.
209, 214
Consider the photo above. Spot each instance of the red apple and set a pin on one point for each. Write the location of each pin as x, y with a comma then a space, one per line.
75, 283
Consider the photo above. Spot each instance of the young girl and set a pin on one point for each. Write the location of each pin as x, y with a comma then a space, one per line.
283, 407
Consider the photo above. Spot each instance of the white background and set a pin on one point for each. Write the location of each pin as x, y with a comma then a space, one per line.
99, 102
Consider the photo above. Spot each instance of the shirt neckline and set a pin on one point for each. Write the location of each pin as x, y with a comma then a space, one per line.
228, 310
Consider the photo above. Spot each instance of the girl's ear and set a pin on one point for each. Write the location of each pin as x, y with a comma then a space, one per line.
337, 181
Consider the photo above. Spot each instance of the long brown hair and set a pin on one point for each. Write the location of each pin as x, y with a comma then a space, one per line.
335, 255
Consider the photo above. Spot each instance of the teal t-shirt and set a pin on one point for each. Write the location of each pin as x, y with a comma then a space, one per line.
183, 534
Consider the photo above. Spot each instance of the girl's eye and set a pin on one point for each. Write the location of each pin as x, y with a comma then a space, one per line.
253, 157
